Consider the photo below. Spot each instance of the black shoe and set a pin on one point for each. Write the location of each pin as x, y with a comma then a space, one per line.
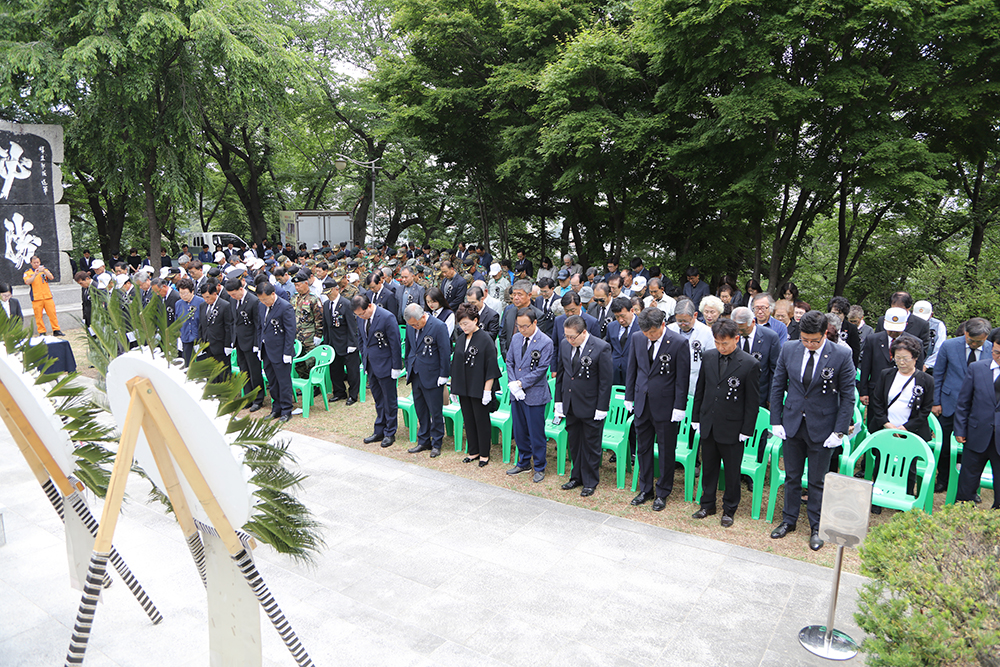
702, 513
416, 449
374, 437
876, 509
351, 401
727, 521
483, 463
978, 499
271, 416
254, 407
469, 459
334, 399
538, 476
814, 542
613, 458
783, 529
435, 452
58, 333
388, 440
285, 418
642, 497
570, 485
517, 470
659, 504
587, 492
940, 488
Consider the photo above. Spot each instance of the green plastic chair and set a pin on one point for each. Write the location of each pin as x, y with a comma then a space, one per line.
556, 432
685, 453
409, 410
617, 425
502, 424
897, 451
985, 481
319, 376
363, 384
454, 424
402, 348
234, 365
756, 461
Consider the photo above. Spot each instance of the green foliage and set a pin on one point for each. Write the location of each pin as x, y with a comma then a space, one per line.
934, 598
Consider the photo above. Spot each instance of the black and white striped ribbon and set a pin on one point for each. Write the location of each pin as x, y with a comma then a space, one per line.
90, 522
88, 607
197, 548
278, 620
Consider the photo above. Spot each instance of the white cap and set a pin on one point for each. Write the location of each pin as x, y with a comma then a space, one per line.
220, 257
104, 280
97, 264
494, 268
638, 283
121, 279
895, 319
923, 310
255, 263
248, 255
352, 277
165, 271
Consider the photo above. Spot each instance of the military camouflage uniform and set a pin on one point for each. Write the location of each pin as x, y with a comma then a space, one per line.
308, 324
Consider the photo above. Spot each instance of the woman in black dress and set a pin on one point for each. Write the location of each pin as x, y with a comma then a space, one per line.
474, 368
438, 307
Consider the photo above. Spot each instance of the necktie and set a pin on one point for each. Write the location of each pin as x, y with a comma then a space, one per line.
524, 348
724, 364
972, 357
746, 345
621, 341
368, 326
810, 366
651, 346
576, 361
996, 389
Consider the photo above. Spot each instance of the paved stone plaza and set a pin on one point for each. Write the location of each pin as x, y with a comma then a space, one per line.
423, 568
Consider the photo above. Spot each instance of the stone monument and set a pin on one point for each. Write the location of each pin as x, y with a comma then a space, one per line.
34, 222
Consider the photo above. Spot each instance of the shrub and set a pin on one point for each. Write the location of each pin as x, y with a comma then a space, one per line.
934, 598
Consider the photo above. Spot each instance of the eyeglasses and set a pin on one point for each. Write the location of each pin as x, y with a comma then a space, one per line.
761, 308
601, 301
522, 327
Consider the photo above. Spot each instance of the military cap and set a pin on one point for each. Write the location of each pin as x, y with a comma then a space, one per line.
300, 277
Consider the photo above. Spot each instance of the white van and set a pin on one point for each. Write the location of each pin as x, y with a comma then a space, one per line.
212, 239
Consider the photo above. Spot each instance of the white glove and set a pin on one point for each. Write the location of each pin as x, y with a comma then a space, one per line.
779, 432
227, 350
317, 341
130, 337
487, 396
256, 350
180, 345
744, 438
600, 415
677, 415
833, 441
286, 359
518, 393
696, 426
558, 412
351, 349
442, 382
396, 373
630, 406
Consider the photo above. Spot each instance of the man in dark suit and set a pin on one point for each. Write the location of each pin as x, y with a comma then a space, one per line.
168, 299
453, 286
215, 318
11, 307
583, 395
848, 331
383, 359
489, 319
545, 302
619, 335
725, 416
85, 263
340, 331
84, 279
276, 333
246, 310
762, 344
814, 419
381, 295
875, 355
520, 296
528, 362
572, 305
953, 357
412, 291
915, 326
428, 365
977, 420
600, 308
656, 388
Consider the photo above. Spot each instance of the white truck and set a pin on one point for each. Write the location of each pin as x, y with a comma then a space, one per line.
314, 227
212, 239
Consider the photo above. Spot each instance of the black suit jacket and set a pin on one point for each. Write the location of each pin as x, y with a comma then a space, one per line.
15, 309
727, 407
276, 331
340, 326
458, 289
170, 303
558, 333
489, 320
507, 326
245, 323
469, 372
850, 335
878, 403
589, 390
666, 391
547, 318
875, 359
386, 298
219, 332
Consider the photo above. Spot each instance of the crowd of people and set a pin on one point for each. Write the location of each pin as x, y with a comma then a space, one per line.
561, 338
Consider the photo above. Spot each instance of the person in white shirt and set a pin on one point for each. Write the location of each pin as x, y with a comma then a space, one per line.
698, 335
660, 299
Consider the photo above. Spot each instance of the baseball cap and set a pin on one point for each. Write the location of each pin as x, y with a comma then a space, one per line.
563, 274
96, 264
895, 319
638, 283
923, 310
494, 268
586, 294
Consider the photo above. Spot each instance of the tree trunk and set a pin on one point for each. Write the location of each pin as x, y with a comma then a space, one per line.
978, 217
844, 246
153, 225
